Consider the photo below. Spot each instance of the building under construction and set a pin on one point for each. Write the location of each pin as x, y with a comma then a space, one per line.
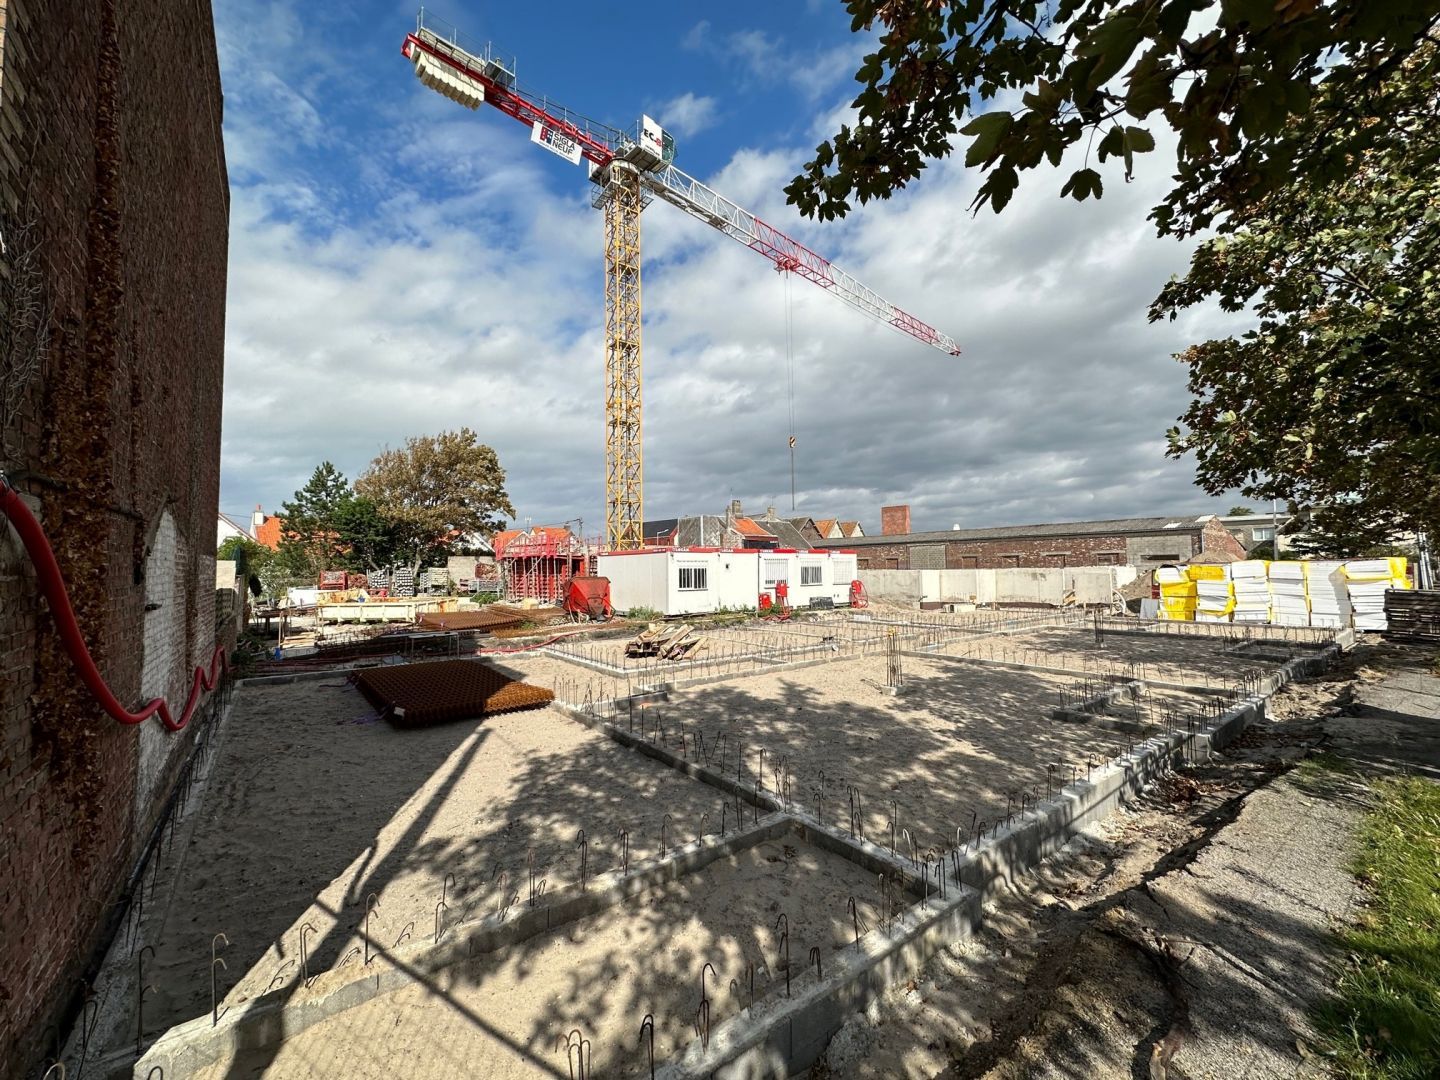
538, 563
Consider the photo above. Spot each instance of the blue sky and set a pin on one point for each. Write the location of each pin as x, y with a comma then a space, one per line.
401, 265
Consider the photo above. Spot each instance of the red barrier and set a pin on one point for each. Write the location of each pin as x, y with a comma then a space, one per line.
52, 585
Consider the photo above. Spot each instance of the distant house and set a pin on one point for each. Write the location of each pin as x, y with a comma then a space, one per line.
1252, 530
228, 527
266, 529
1140, 541
849, 530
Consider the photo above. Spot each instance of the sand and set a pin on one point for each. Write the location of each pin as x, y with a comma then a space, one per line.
507, 1015
943, 754
314, 805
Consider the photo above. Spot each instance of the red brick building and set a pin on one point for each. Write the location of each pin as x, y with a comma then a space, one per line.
114, 206
1143, 542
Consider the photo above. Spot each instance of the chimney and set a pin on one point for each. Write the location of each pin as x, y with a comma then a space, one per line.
256, 519
770, 512
894, 520
734, 511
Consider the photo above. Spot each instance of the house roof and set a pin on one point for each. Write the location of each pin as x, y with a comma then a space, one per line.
228, 520
268, 532
499, 541
659, 529
788, 534
850, 528
1180, 523
704, 530
749, 527
825, 525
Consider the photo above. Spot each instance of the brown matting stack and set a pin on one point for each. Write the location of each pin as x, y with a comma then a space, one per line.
414, 694
470, 620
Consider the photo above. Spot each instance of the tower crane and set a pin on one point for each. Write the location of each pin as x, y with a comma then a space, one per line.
629, 170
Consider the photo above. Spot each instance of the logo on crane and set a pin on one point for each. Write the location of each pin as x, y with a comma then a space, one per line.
556, 141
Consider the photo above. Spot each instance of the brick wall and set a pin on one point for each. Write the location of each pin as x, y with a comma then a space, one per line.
998, 554
894, 520
115, 205
1138, 549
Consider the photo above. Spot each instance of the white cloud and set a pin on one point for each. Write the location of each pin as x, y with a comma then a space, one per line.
687, 114
469, 293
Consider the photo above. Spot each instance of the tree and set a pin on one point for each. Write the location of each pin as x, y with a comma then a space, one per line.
366, 537
1345, 531
236, 548
308, 541
1223, 75
1332, 400
1239, 511
437, 490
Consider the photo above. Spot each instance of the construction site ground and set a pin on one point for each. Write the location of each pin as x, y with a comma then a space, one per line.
314, 803
1189, 935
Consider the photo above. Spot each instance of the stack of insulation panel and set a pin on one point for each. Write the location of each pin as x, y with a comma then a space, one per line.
1325, 588
1177, 594
1289, 605
1251, 579
1366, 581
1214, 594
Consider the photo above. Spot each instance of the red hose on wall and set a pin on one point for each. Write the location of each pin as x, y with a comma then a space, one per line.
52, 585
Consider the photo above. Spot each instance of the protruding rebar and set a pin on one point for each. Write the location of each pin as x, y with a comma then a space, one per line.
214, 959
648, 1025
372, 904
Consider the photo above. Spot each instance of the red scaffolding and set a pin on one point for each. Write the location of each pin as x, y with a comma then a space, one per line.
538, 563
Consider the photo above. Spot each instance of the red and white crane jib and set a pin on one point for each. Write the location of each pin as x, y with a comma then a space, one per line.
466, 78
473, 79
681, 190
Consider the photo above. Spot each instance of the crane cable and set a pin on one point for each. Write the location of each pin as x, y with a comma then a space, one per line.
52, 586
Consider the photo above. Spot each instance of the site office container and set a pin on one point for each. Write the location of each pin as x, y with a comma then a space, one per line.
808, 575
680, 581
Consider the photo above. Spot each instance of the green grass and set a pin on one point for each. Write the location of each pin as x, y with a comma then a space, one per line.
1383, 1023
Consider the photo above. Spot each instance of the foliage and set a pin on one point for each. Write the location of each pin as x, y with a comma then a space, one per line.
367, 539
1239, 511
1223, 75
486, 598
1346, 531
437, 489
1384, 1019
308, 543
238, 548
1332, 400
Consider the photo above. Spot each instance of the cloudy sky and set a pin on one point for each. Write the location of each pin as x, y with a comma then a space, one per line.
402, 266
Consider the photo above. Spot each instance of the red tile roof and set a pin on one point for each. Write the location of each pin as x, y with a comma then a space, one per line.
268, 532
500, 539
850, 528
824, 525
747, 527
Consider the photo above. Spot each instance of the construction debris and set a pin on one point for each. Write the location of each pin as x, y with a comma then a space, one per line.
678, 642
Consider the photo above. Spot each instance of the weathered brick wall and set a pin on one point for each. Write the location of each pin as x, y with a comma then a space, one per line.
1216, 537
894, 520
997, 554
1143, 550
112, 175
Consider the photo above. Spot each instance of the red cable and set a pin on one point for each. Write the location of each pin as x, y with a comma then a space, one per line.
52, 585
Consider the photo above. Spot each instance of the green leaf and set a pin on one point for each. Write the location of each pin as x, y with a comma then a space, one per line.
1082, 184
1139, 140
988, 130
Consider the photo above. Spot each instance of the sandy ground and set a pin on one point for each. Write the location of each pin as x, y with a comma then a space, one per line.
601, 975
1195, 923
943, 754
315, 805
